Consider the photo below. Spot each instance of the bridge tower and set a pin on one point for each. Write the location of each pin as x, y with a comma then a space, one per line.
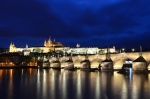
139, 64
107, 64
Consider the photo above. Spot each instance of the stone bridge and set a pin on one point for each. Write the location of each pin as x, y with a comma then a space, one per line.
118, 59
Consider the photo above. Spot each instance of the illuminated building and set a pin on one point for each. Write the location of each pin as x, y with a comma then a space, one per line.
90, 50
50, 45
12, 47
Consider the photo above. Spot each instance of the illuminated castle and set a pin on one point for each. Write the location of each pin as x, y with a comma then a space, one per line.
48, 46
49, 43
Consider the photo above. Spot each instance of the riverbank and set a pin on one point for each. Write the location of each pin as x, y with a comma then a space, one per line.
18, 67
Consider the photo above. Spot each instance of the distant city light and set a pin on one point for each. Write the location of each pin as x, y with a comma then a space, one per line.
123, 49
133, 49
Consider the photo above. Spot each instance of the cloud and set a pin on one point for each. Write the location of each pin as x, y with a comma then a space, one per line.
89, 22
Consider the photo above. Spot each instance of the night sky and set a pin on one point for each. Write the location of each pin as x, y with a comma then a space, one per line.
101, 23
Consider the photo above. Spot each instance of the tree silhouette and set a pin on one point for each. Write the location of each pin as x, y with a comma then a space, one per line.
17, 59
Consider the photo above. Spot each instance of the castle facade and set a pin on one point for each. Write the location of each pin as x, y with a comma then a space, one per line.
50, 45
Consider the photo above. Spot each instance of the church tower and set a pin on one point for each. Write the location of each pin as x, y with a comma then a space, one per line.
45, 43
78, 45
49, 42
12, 47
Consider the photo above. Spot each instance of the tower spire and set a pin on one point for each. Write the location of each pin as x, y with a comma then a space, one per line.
49, 38
45, 43
54, 39
11, 43
140, 50
108, 54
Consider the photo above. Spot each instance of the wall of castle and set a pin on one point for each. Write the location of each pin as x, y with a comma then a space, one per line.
83, 50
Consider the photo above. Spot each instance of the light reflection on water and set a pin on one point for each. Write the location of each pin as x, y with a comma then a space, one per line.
53, 84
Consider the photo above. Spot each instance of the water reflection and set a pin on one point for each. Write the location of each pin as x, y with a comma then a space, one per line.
54, 84
64, 90
97, 87
79, 90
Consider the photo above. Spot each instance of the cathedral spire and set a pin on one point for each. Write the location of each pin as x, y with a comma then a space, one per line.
54, 39
49, 42
45, 43
49, 38
11, 43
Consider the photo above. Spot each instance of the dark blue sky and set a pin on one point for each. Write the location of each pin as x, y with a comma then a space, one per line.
102, 23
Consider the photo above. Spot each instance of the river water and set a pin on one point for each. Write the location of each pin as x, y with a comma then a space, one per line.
54, 84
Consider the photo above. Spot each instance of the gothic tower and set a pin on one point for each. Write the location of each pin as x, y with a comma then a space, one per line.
45, 43
12, 47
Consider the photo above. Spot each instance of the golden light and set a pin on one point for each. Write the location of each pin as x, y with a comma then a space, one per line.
133, 49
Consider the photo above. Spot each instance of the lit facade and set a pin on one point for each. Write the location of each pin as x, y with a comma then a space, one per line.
50, 43
90, 50
49, 46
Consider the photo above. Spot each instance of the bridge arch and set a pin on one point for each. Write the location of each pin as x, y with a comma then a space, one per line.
96, 62
118, 63
148, 67
77, 62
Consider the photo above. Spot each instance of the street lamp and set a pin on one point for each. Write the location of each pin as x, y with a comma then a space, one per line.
133, 49
123, 50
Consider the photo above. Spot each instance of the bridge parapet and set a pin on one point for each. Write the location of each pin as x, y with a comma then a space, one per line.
118, 59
